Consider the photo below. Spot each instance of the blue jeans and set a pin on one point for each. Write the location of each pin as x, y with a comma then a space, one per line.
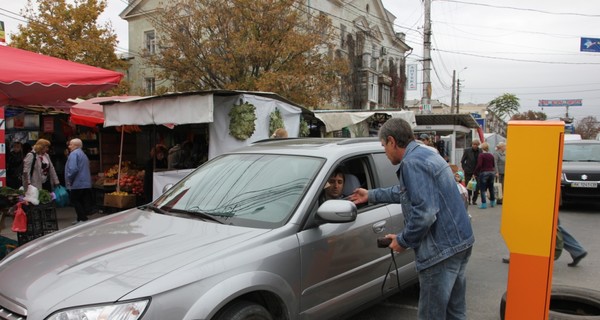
443, 289
570, 244
486, 183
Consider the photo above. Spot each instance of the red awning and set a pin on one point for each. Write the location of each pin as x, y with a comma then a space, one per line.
29, 78
90, 113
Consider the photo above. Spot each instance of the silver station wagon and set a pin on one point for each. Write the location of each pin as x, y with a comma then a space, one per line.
245, 236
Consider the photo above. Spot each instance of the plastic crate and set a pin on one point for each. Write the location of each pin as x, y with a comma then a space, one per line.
41, 220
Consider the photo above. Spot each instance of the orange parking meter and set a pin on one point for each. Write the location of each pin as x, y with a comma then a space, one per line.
530, 214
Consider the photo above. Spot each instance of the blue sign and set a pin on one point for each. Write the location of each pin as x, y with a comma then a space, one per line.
590, 45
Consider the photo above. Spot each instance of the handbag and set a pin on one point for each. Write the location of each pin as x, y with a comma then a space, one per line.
498, 189
62, 196
472, 185
20, 220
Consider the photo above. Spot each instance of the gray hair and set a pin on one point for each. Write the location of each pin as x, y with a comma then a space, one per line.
76, 142
399, 129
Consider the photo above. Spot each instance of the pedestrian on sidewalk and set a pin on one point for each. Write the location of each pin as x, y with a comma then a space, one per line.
437, 225
468, 163
79, 180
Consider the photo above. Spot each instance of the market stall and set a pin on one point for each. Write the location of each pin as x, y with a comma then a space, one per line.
234, 118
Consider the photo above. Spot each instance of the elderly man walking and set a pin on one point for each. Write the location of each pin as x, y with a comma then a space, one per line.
79, 180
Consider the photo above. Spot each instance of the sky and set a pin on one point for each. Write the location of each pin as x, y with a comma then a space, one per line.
529, 48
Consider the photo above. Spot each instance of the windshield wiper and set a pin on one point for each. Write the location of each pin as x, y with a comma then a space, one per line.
202, 215
155, 209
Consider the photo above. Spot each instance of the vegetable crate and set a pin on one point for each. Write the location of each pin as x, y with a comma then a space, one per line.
41, 220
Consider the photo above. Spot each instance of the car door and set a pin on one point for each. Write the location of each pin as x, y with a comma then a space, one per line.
342, 267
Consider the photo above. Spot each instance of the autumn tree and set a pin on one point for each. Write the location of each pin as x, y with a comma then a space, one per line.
588, 127
255, 45
505, 105
69, 30
530, 115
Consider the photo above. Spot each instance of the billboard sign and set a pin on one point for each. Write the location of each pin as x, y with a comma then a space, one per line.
560, 103
590, 45
411, 77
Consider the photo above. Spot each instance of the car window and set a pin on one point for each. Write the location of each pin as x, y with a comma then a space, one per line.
581, 152
255, 190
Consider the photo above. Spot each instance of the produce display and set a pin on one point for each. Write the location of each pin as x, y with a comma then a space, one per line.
130, 182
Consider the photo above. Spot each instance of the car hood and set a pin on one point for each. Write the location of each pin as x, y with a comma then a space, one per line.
104, 259
580, 166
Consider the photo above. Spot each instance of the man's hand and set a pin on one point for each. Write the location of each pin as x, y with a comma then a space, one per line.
359, 196
394, 245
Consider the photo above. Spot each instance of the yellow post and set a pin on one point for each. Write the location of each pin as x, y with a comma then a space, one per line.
530, 213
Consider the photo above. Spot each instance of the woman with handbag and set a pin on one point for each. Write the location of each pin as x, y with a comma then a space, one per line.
38, 169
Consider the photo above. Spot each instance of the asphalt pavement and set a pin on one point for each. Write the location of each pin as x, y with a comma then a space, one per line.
486, 274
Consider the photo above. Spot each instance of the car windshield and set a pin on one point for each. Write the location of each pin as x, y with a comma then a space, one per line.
581, 152
255, 190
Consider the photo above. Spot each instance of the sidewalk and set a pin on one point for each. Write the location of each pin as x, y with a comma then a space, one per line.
65, 217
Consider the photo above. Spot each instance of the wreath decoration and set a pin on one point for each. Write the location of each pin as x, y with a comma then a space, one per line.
304, 130
242, 121
275, 122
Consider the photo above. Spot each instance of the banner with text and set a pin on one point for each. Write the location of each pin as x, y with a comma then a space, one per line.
411, 77
560, 103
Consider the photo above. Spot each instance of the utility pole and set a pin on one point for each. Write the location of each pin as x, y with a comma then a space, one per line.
458, 96
426, 97
452, 105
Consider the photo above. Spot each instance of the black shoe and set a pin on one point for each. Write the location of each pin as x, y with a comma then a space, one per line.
576, 260
506, 260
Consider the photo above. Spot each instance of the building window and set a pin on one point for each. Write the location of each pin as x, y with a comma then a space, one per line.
150, 41
343, 36
385, 96
373, 88
150, 84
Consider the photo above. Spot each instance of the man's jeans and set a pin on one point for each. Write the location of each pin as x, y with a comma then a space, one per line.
443, 289
570, 244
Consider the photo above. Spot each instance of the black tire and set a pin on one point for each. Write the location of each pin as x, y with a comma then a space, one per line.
244, 310
569, 303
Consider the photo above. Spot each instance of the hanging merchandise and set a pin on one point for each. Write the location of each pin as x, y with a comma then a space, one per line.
242, 123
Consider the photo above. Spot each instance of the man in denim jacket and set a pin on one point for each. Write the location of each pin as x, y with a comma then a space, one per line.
437, 225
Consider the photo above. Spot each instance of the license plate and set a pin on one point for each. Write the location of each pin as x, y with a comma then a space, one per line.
584, 184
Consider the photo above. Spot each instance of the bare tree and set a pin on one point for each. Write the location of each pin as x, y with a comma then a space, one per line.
588, 127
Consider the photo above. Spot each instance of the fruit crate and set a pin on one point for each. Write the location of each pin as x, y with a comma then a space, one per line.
41, 220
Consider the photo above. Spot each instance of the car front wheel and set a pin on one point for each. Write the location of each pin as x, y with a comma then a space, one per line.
244, 310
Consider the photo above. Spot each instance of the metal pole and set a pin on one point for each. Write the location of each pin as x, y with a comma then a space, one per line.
452, 105
458, 96
426, 98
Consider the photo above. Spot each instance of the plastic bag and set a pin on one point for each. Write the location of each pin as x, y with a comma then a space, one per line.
20, 220
32, 195
472, 185
62, 196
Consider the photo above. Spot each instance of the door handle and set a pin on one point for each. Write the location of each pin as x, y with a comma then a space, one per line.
379, 227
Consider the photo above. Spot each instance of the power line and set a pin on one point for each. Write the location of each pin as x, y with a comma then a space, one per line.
518, 60
525, 9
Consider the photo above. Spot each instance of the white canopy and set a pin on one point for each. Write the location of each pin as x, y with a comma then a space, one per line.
337, 120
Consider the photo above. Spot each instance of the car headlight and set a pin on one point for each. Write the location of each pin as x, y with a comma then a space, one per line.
123, 311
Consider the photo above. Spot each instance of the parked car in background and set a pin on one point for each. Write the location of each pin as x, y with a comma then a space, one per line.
580, 171
245, 236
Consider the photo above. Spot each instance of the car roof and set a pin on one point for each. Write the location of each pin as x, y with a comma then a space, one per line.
582, 142
321, 147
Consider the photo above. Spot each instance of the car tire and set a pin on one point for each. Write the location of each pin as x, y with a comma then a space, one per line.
244, 310
569, 303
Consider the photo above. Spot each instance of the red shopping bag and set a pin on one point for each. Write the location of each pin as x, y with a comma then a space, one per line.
20, 221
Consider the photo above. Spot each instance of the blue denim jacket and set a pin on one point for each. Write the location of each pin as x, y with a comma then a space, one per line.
437, 224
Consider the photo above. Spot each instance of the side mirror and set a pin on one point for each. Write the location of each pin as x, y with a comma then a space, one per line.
337, 211
167, 187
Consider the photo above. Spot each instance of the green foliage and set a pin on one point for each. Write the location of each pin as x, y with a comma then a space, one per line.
242, 118
44, 196
255, 45
505, 105
304, 129
275, 122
